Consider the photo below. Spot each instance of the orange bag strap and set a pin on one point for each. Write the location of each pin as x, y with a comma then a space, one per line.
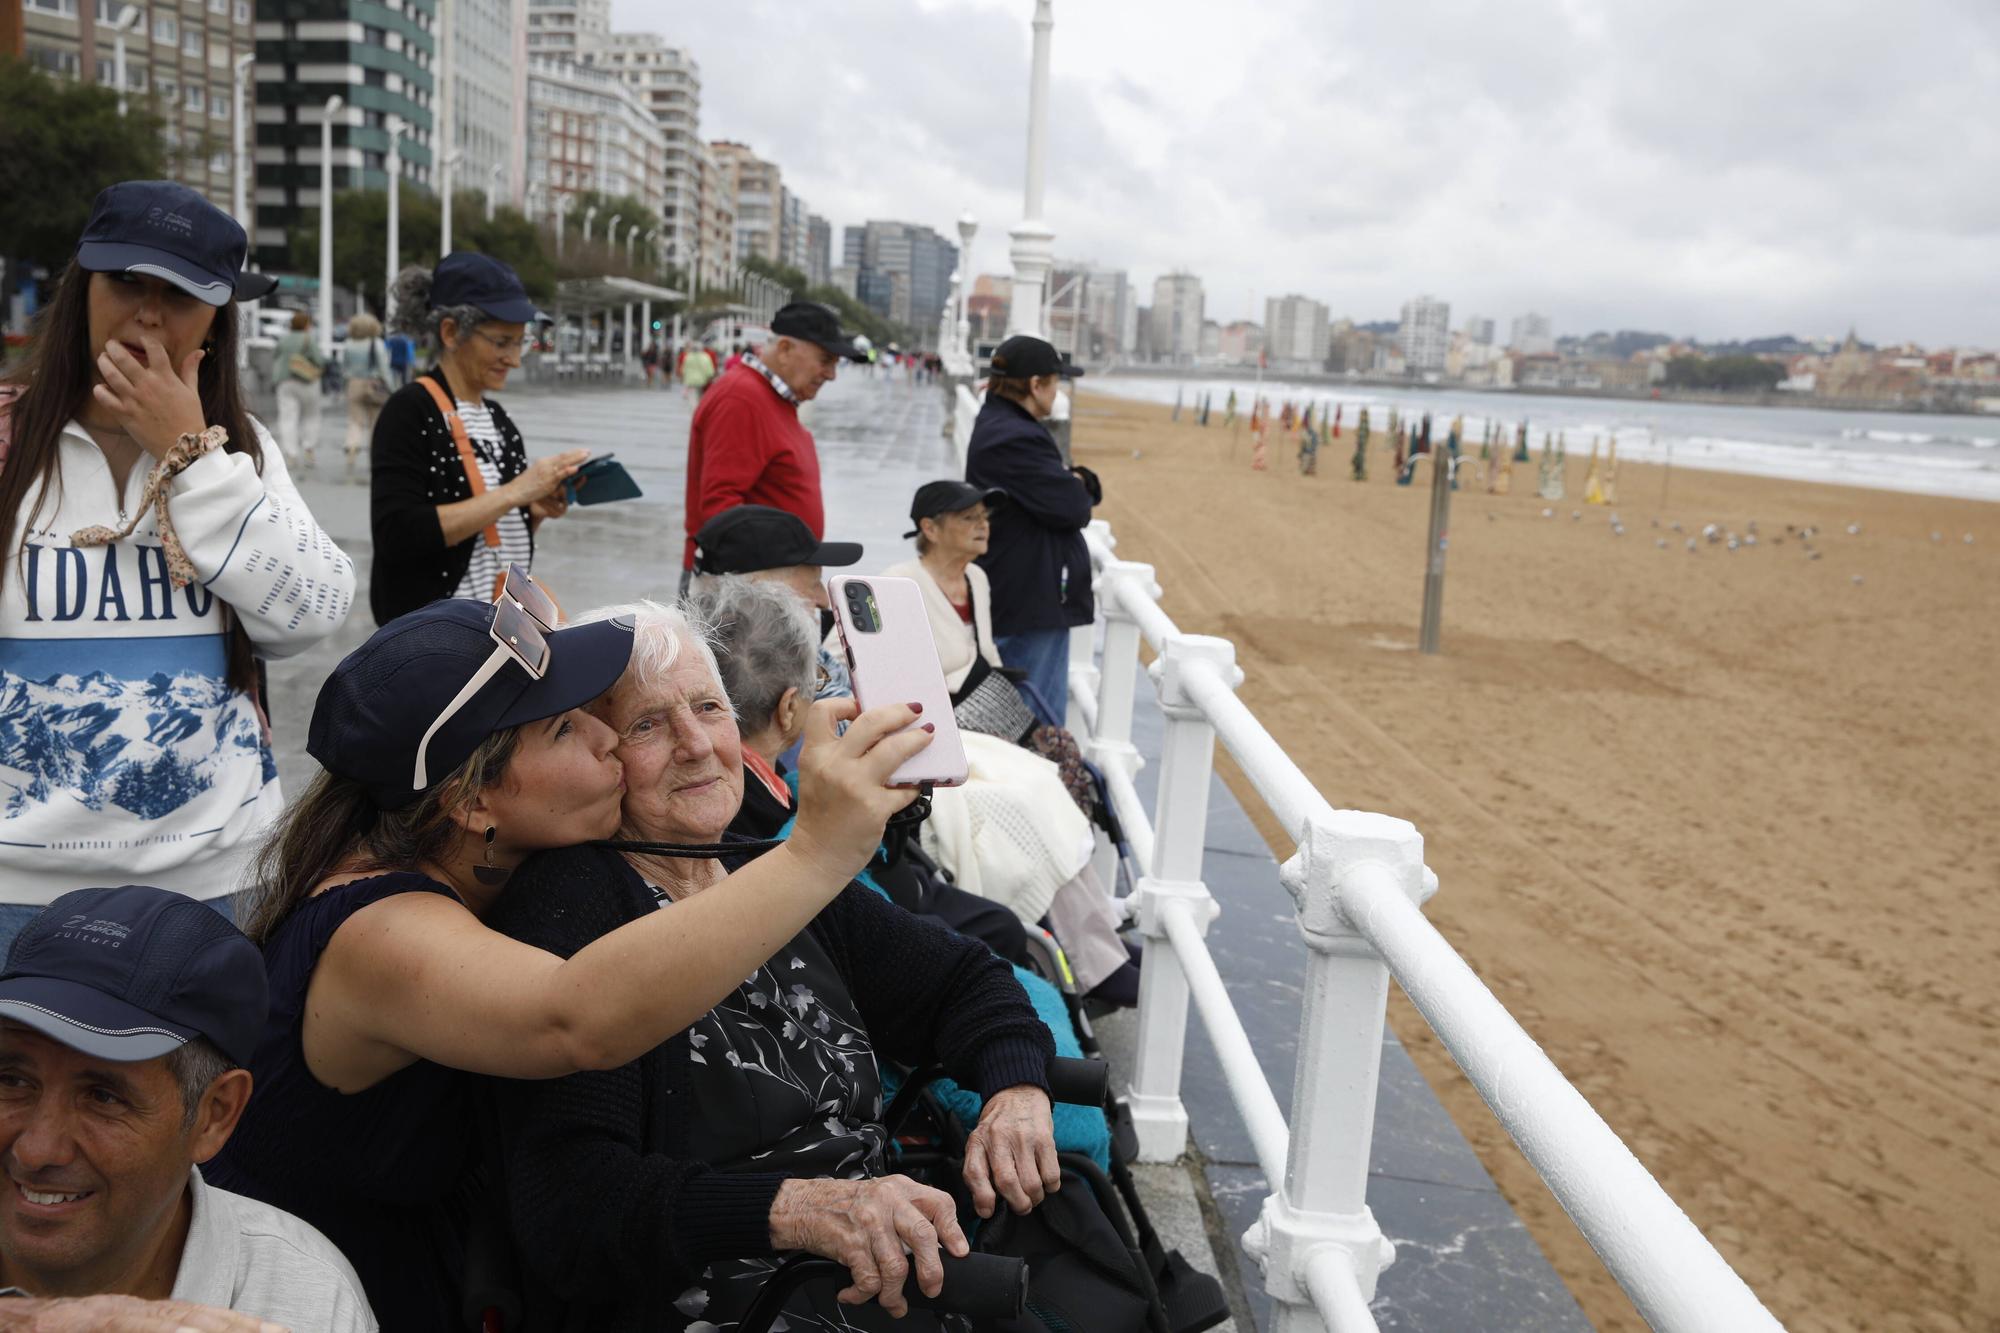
464, 443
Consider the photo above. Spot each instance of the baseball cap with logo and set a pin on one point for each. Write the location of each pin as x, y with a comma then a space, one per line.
135, 973
747, 538
1024, 356
165, 230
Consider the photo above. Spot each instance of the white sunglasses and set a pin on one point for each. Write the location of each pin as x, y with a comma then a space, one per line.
523, 617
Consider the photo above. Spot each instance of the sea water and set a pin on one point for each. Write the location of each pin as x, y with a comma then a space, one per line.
1898, 451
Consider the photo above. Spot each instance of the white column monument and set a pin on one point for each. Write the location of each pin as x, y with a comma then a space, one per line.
1034, 245
968, 227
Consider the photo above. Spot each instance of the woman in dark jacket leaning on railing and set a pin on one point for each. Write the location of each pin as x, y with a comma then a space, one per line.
452, 506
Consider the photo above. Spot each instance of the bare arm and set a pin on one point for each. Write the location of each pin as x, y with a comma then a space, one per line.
417, 976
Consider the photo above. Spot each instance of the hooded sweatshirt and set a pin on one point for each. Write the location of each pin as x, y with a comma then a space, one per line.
125, 754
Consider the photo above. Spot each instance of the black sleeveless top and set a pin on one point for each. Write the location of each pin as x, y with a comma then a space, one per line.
375, 1170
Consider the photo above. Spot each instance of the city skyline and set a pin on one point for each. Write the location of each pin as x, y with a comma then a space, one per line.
1621, 172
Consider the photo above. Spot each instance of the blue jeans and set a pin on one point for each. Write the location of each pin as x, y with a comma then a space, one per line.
1044, 655
14, 917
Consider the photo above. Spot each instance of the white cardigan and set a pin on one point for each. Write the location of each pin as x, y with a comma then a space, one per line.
957, 642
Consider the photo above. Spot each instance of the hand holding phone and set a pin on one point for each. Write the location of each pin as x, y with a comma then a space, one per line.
845, 799
891, 658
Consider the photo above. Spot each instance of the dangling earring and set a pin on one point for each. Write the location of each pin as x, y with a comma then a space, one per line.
489, 873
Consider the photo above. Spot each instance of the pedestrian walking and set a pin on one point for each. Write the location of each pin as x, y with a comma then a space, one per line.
454, 498
365, 364
697, 369
152, 547
297, 367
1035, 560
649, 361
746, 444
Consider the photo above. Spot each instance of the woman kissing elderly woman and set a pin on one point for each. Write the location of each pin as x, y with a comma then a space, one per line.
659, 1194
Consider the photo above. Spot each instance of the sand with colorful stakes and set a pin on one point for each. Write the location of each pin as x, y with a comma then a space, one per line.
1720, 828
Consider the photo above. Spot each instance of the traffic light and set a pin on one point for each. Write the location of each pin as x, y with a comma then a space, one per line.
658, 325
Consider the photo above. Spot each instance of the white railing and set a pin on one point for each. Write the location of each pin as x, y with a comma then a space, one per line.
1358, 882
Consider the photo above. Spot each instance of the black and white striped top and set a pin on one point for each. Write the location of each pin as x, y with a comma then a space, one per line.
490, 562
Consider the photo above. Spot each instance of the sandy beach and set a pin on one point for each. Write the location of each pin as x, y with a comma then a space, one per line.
1721, 829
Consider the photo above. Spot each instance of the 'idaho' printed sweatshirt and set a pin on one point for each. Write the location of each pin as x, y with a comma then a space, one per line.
125, 755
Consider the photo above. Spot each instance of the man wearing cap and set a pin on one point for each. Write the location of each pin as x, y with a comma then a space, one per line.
766, 543
746, 445
126, 1017
1035, 559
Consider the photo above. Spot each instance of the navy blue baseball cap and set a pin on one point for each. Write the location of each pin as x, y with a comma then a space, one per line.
135, 973
465, 278
378, 705
1025, 356
165, 230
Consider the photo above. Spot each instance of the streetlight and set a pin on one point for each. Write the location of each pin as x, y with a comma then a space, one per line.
631, 243
499, 170
333, 105
1033, 251
243, 64
529, 198
588, 215
130, 15
451, 159
562, 207
393, 162
611, 232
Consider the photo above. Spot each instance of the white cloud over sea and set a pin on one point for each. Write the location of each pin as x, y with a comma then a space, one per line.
1708, 167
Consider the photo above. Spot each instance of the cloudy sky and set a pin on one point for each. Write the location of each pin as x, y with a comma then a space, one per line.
1723, 168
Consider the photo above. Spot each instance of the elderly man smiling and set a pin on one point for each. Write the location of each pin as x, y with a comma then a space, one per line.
126, 1016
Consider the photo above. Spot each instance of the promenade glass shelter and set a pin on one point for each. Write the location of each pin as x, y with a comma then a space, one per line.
594, 338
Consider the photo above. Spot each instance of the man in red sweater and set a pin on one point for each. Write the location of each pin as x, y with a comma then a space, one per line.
746, 445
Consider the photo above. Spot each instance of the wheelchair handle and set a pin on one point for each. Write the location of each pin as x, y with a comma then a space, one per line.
1078, 1082
982, 1287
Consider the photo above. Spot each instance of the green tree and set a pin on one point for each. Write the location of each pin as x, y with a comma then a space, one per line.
61, 143
854, 316
1723, 372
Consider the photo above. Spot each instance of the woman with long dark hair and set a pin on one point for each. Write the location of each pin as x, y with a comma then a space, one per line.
152, 545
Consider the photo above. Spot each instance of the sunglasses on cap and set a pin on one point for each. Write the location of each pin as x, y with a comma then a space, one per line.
524, 615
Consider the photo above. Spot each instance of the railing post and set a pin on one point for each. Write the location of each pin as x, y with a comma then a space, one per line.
1180, 827
1111, 741
1322, 1204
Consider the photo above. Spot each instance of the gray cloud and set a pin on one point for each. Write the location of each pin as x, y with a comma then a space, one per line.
1701, 166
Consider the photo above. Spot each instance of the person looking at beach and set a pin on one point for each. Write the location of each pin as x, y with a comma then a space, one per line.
746, 444
1035, 560
152, 547
455, 742
454, 499
126, 1017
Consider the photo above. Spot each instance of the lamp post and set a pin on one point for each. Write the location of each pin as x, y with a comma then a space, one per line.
1034, 244
611, 233
653, 244
242, 175
128, 16
631, 244
562, 207
448, 161
333, 105
392, 160
589, 214
968, 226
499, 170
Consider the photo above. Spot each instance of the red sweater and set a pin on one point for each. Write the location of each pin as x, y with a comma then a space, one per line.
746, 446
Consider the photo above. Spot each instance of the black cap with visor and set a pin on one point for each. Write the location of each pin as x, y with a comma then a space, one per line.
164, 230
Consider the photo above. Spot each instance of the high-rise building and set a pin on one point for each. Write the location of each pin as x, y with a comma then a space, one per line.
759, 200
1067, 297
819, 250
794, 237
1533, 335
564, 28
1479, 331
668, 81
923, 259
1424, 335
488, 76
1108, 311
379, 60
1177, 318
1295, 332
588, 131
715, 206
179, 61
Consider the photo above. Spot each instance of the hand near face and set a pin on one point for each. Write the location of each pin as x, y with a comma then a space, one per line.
1012, 1153
152, 400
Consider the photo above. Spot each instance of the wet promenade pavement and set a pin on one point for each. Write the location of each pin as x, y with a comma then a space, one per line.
1465, 1264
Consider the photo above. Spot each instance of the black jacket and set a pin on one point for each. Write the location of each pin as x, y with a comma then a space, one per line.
414, 468
1036, 559
611, 1216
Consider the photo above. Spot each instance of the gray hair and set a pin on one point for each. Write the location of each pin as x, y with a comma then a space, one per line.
196, 1065
411, 300
767, 639
659, 634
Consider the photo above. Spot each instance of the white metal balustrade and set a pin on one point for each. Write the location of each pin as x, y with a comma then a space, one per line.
1358, 882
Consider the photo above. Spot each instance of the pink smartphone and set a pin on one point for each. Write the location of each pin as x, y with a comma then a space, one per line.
892, 659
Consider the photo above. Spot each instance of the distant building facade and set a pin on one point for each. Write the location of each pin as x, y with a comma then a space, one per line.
566, 28
588, 131
1295, 332
667, 81
1532, 335
1424, 335
819, 251
1177, 318
1479, 330
904, 271
715, 209
488, 85
1242, 343
759, 200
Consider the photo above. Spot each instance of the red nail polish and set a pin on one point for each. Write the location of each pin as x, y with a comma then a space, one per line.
916, 708
930, 726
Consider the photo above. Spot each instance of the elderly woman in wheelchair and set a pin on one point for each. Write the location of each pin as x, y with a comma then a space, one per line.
661, 1194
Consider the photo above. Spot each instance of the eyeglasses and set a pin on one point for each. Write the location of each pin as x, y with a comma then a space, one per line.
506, 346
524, 615
821, 679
